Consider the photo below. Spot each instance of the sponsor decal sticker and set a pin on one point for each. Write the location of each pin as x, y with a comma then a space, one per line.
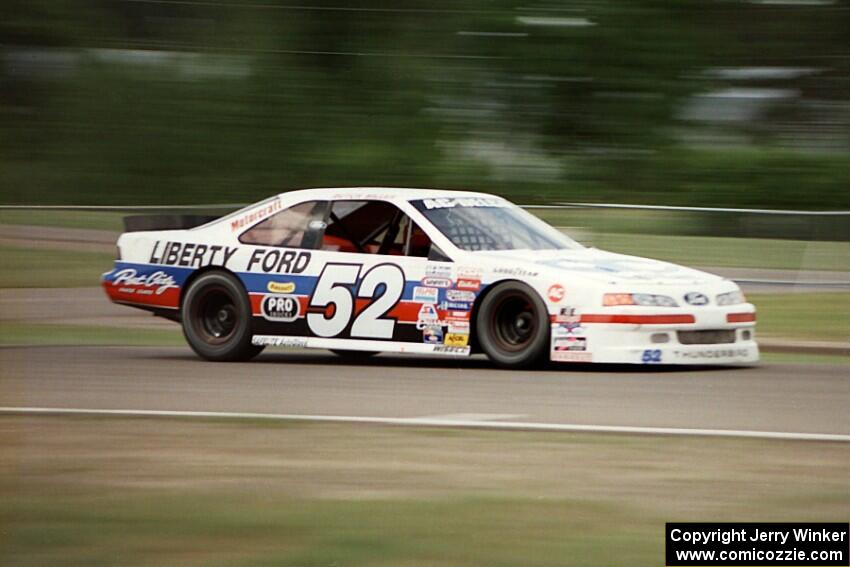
651, 356
190, 255
567, 315
438, 271
270, 340
468, 284
255, 215
459, 295
432, 334
456, 339
282, 308
569, 344
278, 261
449, 202
711, 354
427, 316
155, 283
458, 315
556, 293
447, 349
567, 329
567, 322
281, 287
571, 356
425, 294
696, 298
434, 281
520, 272
458, 326
455, 305
469, 272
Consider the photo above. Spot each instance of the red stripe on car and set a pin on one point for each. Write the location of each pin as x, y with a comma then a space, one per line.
740, 317
639, 319
130, 293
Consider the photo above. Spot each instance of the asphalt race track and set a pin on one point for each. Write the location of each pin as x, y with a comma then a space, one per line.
782, 398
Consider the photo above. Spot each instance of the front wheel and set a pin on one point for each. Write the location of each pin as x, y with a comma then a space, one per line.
513, 326
217, 318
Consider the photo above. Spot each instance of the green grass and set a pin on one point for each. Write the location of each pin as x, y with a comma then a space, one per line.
15, 333
800, 358
809, 316
730, 252
680, 237
65, 219
147, 492
35, 267
215, 529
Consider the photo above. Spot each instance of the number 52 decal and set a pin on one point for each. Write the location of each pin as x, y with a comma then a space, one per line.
383, 284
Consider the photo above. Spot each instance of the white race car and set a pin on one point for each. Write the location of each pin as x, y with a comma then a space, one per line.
365, 270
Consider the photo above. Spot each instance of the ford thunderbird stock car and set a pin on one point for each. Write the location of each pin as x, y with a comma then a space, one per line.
365, 270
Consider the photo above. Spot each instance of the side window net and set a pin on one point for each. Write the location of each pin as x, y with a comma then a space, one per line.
373, 227
474, 234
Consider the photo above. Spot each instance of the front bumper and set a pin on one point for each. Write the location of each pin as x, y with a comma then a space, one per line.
636, 338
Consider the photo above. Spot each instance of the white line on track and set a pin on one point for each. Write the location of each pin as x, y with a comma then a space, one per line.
431, 422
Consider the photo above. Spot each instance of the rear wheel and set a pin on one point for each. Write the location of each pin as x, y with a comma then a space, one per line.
217, 318
513, 326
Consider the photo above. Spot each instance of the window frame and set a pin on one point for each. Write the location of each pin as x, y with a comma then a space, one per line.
400, 208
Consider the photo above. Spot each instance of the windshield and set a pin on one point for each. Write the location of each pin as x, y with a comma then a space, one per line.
491, 223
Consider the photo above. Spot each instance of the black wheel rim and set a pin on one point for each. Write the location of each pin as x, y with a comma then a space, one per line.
215, 315
514, 323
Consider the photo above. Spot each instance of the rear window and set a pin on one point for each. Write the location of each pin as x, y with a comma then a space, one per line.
292, 227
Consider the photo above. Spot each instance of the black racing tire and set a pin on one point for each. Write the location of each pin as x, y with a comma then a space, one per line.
513, 326
354, 355
216, 316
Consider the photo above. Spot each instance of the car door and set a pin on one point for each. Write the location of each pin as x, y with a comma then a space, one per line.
353, 270
374, 287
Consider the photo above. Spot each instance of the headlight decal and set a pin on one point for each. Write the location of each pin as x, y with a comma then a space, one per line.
741, 318
642, 299
731, 298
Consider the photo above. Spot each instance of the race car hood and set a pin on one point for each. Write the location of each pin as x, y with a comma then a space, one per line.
605, 267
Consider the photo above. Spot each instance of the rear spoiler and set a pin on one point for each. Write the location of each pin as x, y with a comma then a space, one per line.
138, 223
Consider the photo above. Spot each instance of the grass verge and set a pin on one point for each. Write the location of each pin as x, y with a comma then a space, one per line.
29, 267
65, 219
730, 252
807, 316
801, 358
17, 333
105, 491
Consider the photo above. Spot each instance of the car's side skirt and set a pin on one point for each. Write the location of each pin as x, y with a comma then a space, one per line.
359, 344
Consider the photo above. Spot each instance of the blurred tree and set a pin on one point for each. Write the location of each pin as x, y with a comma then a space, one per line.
143, 101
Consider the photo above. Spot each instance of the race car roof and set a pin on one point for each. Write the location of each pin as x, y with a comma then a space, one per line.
387, 193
